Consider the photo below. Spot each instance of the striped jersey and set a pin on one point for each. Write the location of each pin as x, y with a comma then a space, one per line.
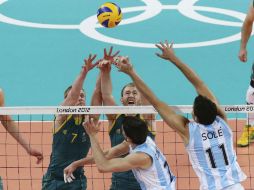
116, 138
159, 175
212, 155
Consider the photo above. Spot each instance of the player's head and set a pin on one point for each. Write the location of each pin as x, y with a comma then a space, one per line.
82, 96
204, 110
135, 129
130, 95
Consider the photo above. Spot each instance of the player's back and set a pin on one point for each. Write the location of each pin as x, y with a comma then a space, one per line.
212, 155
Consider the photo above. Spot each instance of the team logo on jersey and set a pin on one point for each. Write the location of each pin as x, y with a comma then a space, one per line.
65, 132
118, 131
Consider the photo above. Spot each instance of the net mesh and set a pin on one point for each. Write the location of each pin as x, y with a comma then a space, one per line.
19, 171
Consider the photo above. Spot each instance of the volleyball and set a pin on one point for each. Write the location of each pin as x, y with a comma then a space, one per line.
109, 15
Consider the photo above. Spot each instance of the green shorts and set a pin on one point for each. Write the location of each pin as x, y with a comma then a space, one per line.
52, 183
124, 184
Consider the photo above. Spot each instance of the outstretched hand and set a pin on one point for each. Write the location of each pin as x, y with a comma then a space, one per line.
109, 56
105, 63
89, 63
167, 51
123, 64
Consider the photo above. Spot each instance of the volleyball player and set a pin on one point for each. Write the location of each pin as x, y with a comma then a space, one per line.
208, 139
70, 141
144, 158
248, 131
13, 130
130, 96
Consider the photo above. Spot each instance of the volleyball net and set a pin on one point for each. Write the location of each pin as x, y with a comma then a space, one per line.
19, 171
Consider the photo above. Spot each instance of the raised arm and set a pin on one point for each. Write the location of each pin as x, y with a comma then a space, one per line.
246, 32
175, 121
72, 96
199, 85
11, 127
97, 97
106, 82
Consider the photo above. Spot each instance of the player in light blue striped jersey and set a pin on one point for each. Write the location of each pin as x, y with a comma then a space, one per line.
146, 161
208, 139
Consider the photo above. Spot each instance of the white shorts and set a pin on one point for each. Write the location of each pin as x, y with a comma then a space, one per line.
237, 186
250, 95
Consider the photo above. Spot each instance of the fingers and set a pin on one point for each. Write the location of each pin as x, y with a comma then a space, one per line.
166, 42
105, 52
86, 119
171, 45
158, 46
39, 159
110, 50
72, 176
159, 55
162, 45
68, 178
243, 57
116, 53
65, 178
93, 57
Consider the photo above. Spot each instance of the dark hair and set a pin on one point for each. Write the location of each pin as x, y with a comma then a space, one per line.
127, 85
205, 110
136, 129
68, 90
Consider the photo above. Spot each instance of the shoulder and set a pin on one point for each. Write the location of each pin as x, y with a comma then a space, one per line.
139, 159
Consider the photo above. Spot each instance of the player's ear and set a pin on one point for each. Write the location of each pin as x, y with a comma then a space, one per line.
121, 99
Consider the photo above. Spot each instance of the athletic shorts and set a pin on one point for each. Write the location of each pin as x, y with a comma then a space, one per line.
51, 183
121, 184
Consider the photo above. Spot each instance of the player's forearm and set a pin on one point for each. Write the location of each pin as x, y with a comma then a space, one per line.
246, 32
77, 85
13, 130
85, 161
106, 84
188, 72
97, 96
98, 155
143, 88
106, 89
